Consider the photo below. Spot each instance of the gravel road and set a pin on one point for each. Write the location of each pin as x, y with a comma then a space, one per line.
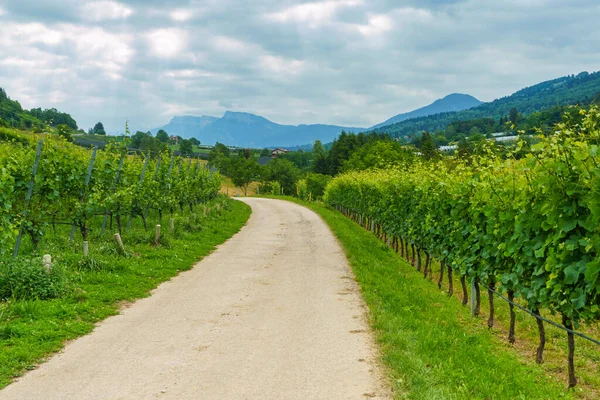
273, 313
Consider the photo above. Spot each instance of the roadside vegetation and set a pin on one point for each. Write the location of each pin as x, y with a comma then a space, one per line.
82, 231
39, 311
430, 345
511, 222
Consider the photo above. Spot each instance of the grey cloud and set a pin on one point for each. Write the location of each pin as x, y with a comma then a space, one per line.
235, 57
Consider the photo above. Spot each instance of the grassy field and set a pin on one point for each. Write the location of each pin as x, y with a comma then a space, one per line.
434, 349
229, 189
195, 149
95, 288
98, 138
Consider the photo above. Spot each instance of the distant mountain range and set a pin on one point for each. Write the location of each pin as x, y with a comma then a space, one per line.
249, 130
582, 89
452, 102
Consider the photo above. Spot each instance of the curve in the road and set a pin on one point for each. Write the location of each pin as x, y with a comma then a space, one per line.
273, 313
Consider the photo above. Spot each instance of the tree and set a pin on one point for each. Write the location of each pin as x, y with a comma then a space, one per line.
136, 139
427, 147
316, 183
341, 150
243, 171
379, 154
98, 129
284, 172
218, 157
320, 158
162, 136
513, 116
185, 148
195, 141
265, 152
148, 143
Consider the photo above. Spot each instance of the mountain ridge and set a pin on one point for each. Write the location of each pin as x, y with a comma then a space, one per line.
567, 90
451, 102
250, 130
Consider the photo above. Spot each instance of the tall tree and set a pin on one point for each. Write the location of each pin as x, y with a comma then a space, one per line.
99, 129
284, 172
185, 148
244, 171
320, 158
427, 147
265, 152
513, 116
162, 136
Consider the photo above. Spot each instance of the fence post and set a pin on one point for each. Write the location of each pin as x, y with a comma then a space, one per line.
473, 297
157, 235
28, 197
120, 243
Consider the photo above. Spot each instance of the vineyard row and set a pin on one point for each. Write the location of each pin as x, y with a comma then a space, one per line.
53, 182
527, 225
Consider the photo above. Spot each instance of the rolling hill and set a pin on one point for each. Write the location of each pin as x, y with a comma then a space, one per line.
573, 89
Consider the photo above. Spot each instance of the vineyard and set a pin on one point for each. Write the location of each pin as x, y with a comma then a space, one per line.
51, 182
524, 226
80, 234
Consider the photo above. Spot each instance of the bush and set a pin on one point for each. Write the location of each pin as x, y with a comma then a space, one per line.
301, 191
8, 135
65, 132
273, 188
316, 183
27, 279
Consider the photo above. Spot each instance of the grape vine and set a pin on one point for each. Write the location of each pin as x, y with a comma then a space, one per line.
526, 225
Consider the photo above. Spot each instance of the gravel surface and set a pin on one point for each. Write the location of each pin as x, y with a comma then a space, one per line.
273, 313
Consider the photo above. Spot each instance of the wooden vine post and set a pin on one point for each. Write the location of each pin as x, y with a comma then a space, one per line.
28, 196
157, 235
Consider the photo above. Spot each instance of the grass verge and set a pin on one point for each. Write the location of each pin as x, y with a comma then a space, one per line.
431, 346
32, 329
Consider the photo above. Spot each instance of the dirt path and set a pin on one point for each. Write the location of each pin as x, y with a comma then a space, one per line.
272, 314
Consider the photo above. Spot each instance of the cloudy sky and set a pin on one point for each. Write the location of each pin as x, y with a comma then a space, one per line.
345, 62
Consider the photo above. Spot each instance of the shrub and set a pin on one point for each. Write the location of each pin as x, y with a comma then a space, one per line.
316, 183
27, 279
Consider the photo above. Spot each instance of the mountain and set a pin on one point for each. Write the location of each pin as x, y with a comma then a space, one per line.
573, 89
452, 102
249, 130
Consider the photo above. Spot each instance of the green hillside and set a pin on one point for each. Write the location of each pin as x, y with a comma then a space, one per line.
12, 114
574, 89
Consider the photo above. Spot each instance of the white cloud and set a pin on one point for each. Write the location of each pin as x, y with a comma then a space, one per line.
229, 44
314, 14
167, 43
2, 11
30, 33
281, 65
377, 25
105, 10
181, 15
